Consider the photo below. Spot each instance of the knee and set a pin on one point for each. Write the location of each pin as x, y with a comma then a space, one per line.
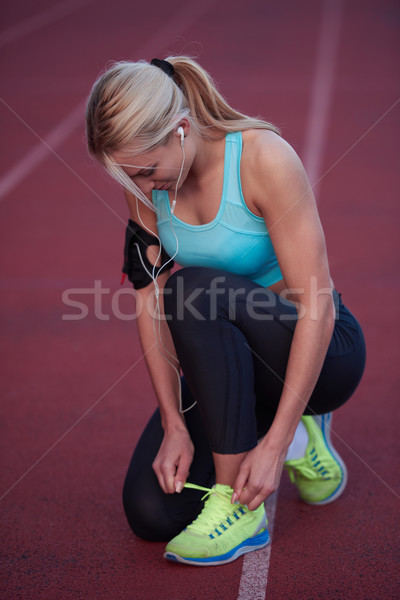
146, 517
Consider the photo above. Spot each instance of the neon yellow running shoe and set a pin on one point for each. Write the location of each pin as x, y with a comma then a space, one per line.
321, 475
221, 533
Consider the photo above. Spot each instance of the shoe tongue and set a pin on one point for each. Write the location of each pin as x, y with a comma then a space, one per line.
223, 489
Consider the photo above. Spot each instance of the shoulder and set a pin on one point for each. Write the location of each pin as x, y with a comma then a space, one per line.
270, 166
265, 150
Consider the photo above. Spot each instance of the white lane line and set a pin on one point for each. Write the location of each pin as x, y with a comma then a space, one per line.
46, 17
186, 15
41, 150
321, 95
254, 578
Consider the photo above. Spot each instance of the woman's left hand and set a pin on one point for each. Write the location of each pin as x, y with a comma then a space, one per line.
259, 474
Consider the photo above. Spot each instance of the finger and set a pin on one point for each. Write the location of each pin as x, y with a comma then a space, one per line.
182, 473
260, 497
165, 476
253, 496
250, 490
255, 502
160, 477
247, 495
240, 482
169, 473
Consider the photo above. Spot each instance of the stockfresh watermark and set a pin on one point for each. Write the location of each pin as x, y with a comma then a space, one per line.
199, 303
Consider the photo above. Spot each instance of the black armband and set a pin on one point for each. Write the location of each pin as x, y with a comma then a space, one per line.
137, 240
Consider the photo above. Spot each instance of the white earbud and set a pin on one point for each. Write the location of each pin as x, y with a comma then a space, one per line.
182, 134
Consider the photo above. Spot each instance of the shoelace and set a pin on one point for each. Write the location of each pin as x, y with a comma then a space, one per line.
209, 491
315, 470
304, 470
215, 517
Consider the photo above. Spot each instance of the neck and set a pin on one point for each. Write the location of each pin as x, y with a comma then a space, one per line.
207, 155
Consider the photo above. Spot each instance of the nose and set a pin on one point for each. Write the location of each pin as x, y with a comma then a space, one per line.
146, 186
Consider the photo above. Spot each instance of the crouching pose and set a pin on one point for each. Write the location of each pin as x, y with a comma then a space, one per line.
249, 345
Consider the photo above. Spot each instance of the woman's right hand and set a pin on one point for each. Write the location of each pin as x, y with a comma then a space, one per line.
173, 460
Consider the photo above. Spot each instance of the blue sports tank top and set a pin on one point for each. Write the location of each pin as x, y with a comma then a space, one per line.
236, 241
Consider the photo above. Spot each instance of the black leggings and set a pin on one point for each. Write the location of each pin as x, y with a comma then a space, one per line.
233, 339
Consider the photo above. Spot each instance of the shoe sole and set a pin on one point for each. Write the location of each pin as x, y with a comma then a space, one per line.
255, 543
325, 424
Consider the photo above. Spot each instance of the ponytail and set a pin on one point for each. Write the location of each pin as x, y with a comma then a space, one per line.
208, 109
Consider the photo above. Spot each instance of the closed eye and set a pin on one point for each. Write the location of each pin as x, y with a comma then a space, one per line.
147, 173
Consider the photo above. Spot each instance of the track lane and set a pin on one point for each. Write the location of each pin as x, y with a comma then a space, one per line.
54, 370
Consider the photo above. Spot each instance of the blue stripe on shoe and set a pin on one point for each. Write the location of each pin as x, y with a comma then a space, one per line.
326, 420
254, 543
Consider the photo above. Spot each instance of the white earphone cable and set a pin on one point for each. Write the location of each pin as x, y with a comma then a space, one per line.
157, 315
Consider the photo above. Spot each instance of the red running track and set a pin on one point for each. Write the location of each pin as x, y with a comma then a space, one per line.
75, 393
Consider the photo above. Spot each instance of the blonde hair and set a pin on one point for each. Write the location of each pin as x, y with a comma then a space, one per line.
138, 101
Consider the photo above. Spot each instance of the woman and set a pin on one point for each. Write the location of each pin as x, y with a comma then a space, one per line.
253, 320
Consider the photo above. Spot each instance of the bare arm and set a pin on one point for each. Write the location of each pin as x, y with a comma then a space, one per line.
175, 456
293, 222
285, 200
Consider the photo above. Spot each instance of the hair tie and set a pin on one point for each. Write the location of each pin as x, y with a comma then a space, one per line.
164, 65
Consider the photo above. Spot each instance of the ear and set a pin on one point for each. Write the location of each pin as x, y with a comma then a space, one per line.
185, 124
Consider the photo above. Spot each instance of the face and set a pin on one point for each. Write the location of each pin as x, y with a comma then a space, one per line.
158, 169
